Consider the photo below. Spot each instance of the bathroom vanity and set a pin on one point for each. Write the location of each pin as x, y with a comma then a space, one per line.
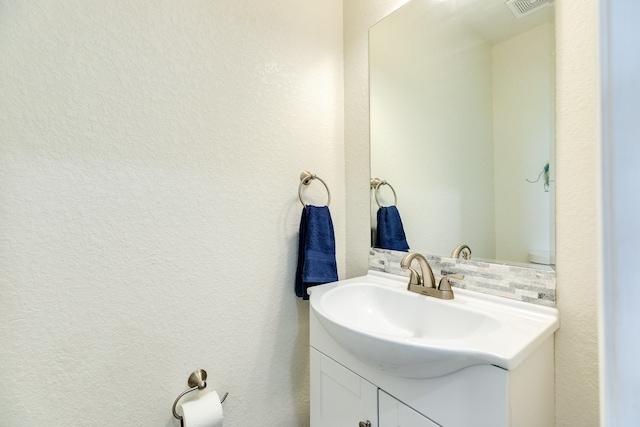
388, 357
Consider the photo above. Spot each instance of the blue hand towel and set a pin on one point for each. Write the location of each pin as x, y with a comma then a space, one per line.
316, 250
390, 233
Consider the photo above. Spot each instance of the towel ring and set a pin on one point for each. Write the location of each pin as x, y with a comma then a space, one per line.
197, 381
305, 179
376, 183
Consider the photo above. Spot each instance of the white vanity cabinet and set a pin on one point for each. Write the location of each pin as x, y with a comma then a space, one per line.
340, 398
478, 396
393, 413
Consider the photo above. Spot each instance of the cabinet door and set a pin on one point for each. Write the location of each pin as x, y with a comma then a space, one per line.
340, 398
394, 413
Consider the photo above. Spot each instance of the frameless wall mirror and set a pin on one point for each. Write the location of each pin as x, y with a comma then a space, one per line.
462, 126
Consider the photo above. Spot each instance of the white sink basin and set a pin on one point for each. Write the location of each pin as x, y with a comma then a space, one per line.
381, 323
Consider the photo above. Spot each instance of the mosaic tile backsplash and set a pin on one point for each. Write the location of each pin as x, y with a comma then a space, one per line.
533, 285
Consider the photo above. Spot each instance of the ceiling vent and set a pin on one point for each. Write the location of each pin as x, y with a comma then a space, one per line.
522, 8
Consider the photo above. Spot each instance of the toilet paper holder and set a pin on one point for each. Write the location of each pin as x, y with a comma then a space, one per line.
197, 381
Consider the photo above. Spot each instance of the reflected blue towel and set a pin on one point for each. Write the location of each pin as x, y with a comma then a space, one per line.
316, 250
390, 233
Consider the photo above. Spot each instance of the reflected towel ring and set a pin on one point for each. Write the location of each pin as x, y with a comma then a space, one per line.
305, 179
376, 183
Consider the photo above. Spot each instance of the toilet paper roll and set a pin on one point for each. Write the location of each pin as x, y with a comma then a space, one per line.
205, 411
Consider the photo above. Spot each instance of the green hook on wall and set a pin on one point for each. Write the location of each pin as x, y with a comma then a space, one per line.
544, 174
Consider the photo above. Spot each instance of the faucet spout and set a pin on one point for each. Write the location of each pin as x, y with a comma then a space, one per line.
462, 251
415, 278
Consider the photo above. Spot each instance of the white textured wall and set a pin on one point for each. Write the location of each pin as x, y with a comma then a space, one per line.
149, 161
576, 219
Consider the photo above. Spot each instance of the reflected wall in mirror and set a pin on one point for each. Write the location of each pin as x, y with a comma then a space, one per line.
462, 118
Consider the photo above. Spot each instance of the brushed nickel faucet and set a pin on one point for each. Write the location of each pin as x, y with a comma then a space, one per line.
416, 280
462, 251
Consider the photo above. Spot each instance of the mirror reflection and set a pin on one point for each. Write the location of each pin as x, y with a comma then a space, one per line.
462, 127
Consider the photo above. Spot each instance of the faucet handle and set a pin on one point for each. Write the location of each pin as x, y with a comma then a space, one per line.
414, 278
445, 285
